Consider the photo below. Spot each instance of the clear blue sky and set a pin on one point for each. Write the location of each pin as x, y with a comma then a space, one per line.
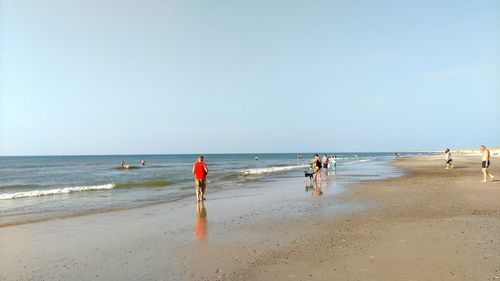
114, 76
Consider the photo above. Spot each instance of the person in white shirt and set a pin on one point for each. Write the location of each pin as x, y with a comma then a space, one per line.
447, 154
333, 162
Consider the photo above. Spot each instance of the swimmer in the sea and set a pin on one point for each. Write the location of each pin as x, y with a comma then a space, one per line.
143, 162
122, 164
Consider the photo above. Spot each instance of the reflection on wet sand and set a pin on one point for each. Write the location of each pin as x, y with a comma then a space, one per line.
317, 189
201, 221
314, 187
309, 186
330, 181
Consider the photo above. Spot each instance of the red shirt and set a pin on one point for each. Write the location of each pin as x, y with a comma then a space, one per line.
199, 171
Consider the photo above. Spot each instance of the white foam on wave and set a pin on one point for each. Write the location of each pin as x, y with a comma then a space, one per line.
354, 162
260, 171
55, 191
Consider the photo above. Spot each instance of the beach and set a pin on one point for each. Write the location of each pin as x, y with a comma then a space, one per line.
249, 140
427, 224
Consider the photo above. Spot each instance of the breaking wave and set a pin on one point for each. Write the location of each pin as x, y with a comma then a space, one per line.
55, 191
260, 171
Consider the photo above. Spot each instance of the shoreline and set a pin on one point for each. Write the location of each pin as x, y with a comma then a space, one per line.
277, 233
46, 212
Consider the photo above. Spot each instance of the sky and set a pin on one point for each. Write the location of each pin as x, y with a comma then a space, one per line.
144, 77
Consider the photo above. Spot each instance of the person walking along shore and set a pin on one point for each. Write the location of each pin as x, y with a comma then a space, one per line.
485, 164
200, 172
448, 158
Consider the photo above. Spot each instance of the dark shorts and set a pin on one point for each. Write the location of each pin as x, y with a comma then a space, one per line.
485, 164
449, 161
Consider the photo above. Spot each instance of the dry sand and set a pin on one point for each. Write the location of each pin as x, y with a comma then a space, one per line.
431, 224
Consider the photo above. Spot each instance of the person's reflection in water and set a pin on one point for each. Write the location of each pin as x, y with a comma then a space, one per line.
331, 186
325, 184
201, 226
309, 186
332, 173
317, 189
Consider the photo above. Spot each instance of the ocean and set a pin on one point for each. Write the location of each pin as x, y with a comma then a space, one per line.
45, 187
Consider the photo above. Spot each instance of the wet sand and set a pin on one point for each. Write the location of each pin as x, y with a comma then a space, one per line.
431, 224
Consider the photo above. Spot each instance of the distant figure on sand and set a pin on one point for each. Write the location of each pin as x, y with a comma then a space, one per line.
396, 155
143, 162
317, 167
447, 154
333, 162
485, 164
200, 172
324, 161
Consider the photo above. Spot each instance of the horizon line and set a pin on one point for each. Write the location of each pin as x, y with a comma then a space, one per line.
212, 153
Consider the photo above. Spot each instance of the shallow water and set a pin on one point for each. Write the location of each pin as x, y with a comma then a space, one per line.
35, 188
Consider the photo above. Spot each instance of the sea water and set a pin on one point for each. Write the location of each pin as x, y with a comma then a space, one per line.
44, 187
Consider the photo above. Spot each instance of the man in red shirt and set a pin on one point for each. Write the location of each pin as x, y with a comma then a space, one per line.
200, 172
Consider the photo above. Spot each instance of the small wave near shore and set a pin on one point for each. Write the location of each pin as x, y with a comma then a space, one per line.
54, 191
260, 171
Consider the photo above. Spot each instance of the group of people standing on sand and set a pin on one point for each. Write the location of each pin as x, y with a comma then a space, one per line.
485, 162
323, 163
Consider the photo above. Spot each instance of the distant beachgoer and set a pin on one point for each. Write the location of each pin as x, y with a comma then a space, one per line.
122, 164
396, 155
447, 154
333, 161
485, 164
317, 167
200, 172
324, 161
143, 162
